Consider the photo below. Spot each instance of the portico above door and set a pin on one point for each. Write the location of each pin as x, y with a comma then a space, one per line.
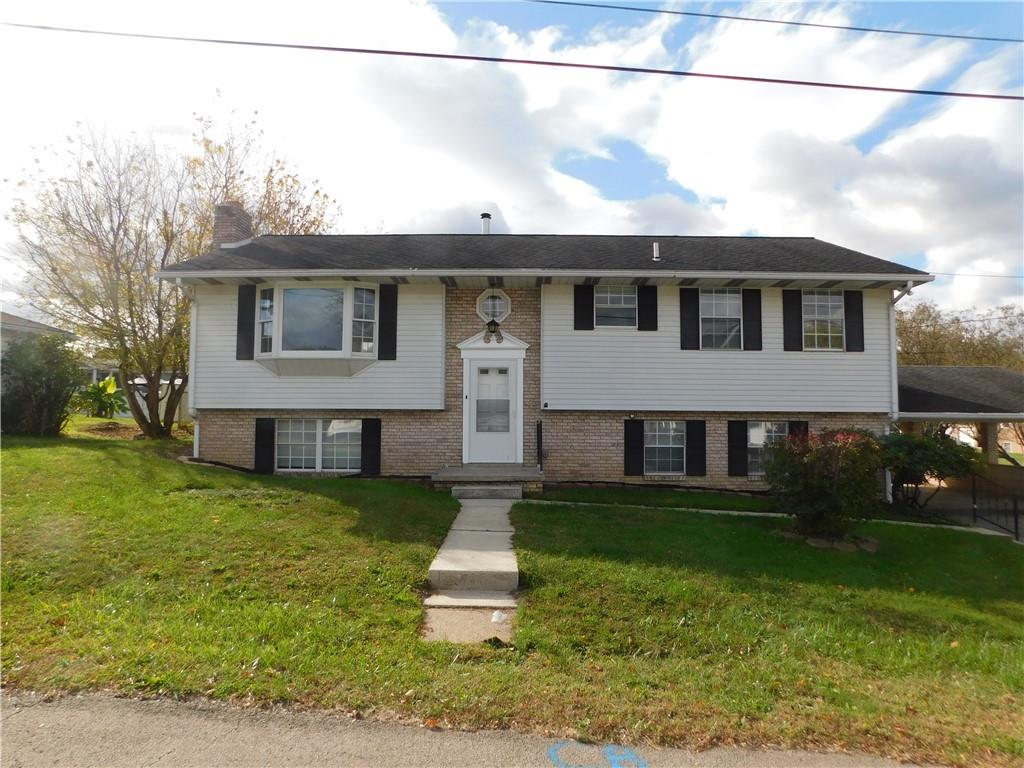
492, 402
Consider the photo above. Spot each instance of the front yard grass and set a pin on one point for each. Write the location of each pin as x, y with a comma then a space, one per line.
129, 571
658, 497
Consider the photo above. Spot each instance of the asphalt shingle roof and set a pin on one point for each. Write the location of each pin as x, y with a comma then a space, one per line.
497, 253
960, 389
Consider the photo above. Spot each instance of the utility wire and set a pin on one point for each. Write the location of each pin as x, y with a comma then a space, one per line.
968, 274
776, 21
503, 60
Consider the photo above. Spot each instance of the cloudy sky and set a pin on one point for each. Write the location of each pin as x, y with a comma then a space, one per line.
411, 145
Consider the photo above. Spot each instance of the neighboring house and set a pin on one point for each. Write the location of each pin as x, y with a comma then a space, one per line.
984, 397
608, 358
13, 327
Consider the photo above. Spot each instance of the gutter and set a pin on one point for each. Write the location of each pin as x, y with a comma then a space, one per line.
958, 417
910, 279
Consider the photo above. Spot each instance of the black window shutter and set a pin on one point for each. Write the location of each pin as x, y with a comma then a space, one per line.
689, 318
387, 333
752, 318
263, 460
696, 448
633, 454
370, 456
737, 449
246, 327
792, 321
853, 309
647, 308
798, 430
583, 308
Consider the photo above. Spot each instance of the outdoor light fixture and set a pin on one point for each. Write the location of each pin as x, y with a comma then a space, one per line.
493, 330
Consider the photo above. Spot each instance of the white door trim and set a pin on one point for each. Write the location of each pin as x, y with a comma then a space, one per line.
511, 350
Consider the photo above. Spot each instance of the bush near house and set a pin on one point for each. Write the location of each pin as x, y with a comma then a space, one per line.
40, 376
101, 400
914, 458
827, 480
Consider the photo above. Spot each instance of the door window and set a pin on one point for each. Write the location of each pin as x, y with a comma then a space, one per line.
492, 400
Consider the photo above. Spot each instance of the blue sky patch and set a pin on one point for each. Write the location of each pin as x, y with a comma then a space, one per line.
629, 174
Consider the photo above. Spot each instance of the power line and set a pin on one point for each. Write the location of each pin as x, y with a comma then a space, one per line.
776, 21
504, 60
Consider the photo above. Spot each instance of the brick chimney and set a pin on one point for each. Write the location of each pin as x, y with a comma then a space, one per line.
231, 223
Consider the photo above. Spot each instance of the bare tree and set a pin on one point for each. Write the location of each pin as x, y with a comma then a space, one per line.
95, 236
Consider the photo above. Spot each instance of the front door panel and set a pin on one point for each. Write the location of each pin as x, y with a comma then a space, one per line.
492, 416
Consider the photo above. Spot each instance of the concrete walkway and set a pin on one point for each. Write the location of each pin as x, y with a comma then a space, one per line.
95, 730
474, 576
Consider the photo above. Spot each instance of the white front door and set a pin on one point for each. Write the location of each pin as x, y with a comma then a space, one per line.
492, 401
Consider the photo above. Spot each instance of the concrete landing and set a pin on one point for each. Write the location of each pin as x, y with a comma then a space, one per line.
487, 491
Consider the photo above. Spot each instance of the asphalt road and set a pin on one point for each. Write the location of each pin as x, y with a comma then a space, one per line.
98, 730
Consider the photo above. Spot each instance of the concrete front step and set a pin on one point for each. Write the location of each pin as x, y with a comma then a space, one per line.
487, 491
470, 599
475, 560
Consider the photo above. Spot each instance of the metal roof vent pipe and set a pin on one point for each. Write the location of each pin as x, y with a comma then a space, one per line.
655, 256
485, 223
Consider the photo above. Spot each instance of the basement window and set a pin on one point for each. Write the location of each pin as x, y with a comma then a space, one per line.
664, 447
319, 445
759, 435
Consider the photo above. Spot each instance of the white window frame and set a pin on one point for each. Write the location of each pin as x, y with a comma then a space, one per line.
730, 291
676, 424
636, 307
348, 317
260, 321
832, 292
319, 449
493, 292
751, 445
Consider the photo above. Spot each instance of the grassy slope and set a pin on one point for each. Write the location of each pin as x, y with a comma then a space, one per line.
126, 570
659, 497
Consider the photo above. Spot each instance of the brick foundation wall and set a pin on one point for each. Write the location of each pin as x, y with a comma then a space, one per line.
588, 445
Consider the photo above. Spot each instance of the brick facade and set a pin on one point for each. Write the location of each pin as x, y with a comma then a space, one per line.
580, 445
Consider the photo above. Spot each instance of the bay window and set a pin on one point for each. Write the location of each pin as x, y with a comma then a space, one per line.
318, 320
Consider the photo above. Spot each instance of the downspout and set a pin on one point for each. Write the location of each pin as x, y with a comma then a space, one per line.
193, 335
894, 386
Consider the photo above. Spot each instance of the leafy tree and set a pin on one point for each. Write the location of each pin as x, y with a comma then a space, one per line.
827, 481
96, 232
40, 376
928, 335
102, 399
913, 459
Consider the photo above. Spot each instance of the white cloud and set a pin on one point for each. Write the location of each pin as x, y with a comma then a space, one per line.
412, 145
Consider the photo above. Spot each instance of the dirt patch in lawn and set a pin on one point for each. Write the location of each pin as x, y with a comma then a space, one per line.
115, 430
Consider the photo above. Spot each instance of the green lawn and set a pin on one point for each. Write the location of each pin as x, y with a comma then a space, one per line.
658, 497
126, 570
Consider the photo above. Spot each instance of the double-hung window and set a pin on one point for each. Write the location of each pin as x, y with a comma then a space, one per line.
317, 320
313, 445
761, 434
664, 447
823, 320
721, 318
266, 320
615, 306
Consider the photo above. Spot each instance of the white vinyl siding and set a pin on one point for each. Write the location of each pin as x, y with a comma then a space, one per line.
609, 371
415, 380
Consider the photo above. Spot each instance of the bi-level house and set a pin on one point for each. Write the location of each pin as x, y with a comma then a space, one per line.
571, 358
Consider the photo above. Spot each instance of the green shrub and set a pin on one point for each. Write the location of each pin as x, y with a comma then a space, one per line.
40, 376
102, 399
827, 480
914, 458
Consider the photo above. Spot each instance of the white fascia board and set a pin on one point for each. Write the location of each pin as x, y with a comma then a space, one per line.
958, 417
535, 272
